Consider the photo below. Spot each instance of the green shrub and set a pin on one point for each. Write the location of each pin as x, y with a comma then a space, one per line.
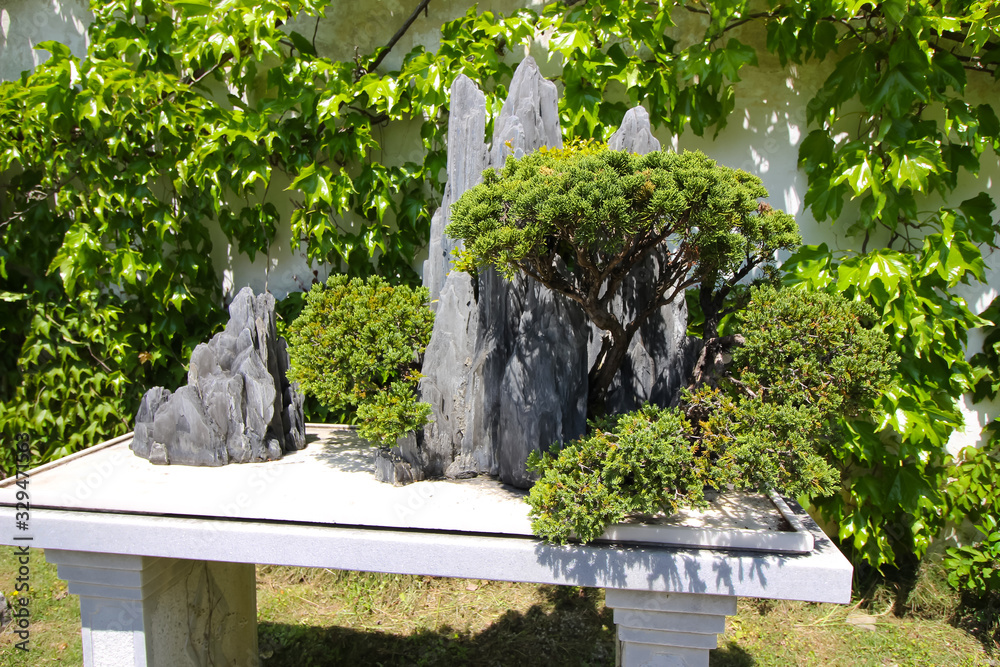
356, 347
812, 349
807, 359
637, 463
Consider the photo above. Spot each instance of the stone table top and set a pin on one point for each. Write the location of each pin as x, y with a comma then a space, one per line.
329, 482
322, 507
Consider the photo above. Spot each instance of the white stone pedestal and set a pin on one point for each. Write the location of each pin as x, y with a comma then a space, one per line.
667, 629
162, 612
162, 556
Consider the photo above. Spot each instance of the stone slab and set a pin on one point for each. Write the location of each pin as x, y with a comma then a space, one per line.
647, 655
671, 639
823, 575
687, 604
670, 621
732, 521
331, 482
307, 509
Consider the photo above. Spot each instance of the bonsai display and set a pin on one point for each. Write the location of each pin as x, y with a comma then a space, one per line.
583, 220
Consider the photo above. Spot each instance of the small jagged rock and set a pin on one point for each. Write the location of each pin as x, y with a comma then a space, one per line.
635, 134
238, 405
395, 466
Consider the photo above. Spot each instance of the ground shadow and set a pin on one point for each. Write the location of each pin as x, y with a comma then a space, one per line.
979, 615
342, 449
730, 655
578, 632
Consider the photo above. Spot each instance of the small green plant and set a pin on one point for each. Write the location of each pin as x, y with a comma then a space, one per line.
974, 478
973, 496
637, 463
807, 359
356, 347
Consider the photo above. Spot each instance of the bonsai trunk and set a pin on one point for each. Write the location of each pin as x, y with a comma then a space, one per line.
711, 303
613, 350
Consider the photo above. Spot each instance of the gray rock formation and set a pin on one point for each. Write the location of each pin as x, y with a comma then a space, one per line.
466, 162
506, 369
396, 465
237, 406
634, 134
541, 394
452, 384
529, 118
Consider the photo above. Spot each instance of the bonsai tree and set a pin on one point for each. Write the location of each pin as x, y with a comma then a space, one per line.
808, 359
357, 346
581, 220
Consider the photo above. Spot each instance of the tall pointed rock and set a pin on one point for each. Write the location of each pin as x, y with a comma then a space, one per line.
466, 161
506, 369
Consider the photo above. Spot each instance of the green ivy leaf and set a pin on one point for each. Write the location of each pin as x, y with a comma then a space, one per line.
192, 7
885, 266
912, 164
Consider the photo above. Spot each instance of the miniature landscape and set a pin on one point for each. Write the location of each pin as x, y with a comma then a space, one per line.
559, 284
558, 338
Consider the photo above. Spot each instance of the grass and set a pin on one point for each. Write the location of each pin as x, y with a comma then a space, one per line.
321, 617
772, 634
55, 615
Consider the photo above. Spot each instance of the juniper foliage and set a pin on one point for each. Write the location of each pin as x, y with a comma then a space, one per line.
636, 463
356, 346
808, 360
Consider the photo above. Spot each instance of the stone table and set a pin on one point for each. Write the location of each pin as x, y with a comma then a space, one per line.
163, 557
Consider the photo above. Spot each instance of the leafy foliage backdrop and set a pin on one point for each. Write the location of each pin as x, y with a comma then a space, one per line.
188, 115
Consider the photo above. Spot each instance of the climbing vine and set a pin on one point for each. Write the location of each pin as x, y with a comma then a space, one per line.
187, 116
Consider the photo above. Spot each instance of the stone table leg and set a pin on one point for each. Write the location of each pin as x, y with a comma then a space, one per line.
668, 629
162, 612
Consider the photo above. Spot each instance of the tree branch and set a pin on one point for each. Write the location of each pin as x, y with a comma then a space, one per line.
41, 198
735, 24
361, 71
617, 271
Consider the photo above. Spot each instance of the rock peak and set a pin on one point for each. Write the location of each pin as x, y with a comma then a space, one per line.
237, 406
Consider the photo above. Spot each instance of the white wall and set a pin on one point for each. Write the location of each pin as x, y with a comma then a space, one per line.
26, 23
762, 136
